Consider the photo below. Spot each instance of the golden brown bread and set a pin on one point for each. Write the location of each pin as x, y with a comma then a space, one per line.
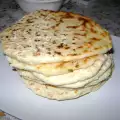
47, 37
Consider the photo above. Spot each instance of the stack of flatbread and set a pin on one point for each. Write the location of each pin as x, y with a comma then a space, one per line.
59, 55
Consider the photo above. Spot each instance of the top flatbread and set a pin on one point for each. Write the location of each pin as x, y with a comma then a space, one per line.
47, 36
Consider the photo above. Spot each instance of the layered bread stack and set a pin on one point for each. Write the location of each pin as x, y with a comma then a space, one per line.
59, 55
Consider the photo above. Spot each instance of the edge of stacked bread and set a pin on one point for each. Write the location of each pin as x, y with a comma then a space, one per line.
59, 55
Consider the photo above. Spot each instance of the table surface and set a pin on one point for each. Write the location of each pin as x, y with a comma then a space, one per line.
21, 102
104, 12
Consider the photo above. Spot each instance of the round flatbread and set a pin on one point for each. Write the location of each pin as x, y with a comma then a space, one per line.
103, 74
92, 81
56, 93
51, 69
75, 76
47, 37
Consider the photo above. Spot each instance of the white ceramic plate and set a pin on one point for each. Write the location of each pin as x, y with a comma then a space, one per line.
19, 101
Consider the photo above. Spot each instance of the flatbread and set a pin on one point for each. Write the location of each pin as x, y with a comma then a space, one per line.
47, 37
50, 69
92, 81
75, 76
56, 93
103, 74
27, 75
